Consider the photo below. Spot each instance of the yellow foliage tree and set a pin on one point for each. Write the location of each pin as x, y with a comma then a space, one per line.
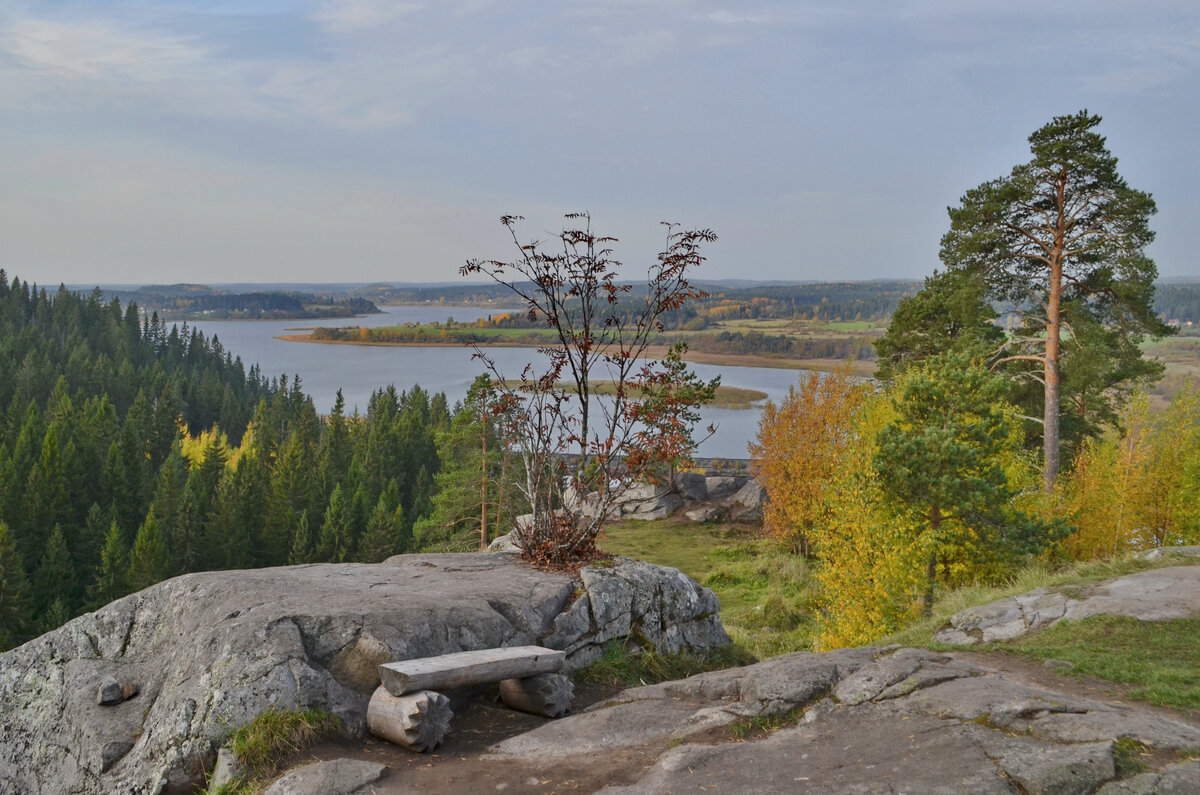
799, 447
871, 558
1172, 510
1105, 496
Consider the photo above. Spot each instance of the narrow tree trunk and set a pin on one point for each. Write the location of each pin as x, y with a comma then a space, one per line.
935, 524
483, 505
1050, 439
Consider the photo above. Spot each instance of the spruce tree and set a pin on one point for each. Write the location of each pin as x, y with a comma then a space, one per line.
148, 562
14, 592
54, 578
112, 578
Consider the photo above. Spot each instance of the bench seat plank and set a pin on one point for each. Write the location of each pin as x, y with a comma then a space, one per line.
465, 668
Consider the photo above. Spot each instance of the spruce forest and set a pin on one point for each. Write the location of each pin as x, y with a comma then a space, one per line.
131, 452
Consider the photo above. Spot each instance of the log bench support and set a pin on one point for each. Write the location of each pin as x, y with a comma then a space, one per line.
406, 709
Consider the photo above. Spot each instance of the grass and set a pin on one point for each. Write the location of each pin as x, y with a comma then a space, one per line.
264, 742
768, 604
1161, 659
766, 592
619, 667
762, 725
948, 603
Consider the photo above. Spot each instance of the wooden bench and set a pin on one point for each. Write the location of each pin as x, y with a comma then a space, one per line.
406, 708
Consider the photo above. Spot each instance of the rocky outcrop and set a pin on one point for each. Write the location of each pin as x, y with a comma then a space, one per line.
205, 653
864, 720
738, 498
1156, 595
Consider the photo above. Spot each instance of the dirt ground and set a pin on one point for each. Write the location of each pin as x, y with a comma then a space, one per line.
460, 765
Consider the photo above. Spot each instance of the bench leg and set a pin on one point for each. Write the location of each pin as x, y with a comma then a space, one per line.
418, 721
548, 695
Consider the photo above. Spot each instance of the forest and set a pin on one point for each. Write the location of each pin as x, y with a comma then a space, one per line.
194, 301
131, 452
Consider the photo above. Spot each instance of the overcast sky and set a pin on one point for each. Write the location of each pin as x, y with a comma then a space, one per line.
363, 140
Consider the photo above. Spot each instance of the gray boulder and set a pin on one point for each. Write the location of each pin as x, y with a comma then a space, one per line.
331, 777
1156, 595
720, 486
208, 652
746, 505
692, 486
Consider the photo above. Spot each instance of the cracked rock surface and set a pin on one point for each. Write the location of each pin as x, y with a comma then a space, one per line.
210, 651
867, 720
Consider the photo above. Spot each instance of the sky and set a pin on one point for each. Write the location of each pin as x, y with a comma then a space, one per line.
362, 140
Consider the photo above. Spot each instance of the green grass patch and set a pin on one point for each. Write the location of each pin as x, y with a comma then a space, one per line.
263, 743
684, 546
624, 665
1160, 658
762, 725
1127, 756
766, 592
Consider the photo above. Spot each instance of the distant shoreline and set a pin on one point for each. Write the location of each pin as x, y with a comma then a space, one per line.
860, 367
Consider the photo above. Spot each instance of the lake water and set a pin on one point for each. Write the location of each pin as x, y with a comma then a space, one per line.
360, 370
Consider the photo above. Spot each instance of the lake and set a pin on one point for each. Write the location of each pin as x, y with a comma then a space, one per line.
360, 370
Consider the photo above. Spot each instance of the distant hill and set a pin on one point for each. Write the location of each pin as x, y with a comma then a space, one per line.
199, 301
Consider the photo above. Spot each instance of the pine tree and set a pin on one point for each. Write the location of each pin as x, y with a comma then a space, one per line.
941, 458
333, 540
1062, 240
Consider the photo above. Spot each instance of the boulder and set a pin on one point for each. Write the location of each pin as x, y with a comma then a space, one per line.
504, 543
211, 651
720, 486
658, 507
1156, 595
331, 777
1162, 552
692, 486
746, 504
703, 513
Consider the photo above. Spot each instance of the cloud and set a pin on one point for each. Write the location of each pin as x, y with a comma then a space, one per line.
354, 16
97, 49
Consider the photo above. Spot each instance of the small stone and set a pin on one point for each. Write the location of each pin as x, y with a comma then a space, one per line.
110, 693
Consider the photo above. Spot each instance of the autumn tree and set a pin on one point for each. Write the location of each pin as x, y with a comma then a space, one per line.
1062, 240
870, 555
800, 445
571, 286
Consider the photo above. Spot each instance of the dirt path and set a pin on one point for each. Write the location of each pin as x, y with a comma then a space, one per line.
460, 765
